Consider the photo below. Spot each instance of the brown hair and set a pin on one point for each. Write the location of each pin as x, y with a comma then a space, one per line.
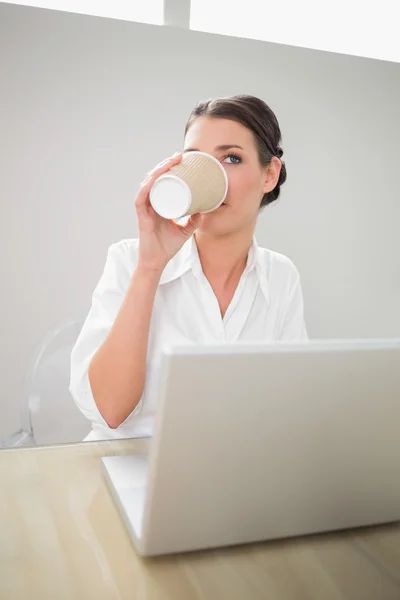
257, 116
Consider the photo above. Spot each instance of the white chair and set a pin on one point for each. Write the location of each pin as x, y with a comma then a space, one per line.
48, 413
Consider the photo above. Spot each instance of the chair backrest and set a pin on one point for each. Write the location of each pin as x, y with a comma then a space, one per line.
49, 411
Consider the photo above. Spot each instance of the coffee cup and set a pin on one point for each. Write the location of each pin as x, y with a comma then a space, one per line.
198, 184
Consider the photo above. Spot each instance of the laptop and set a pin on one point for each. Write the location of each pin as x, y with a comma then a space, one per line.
257, 442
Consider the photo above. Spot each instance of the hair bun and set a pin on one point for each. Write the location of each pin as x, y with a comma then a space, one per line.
279, 152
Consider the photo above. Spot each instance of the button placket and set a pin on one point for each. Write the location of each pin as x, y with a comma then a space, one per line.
242, 307
211, 308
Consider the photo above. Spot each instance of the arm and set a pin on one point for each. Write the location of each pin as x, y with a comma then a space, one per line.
111, 312
117, 371
108, 362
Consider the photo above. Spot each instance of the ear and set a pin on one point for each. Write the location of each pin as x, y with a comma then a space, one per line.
271, 174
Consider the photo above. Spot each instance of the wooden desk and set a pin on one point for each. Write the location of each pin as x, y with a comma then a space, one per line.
61, 537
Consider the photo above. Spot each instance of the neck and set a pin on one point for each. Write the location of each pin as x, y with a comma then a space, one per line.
223, 258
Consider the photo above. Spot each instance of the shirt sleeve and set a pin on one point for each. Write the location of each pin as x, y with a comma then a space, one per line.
107, 300
294, 327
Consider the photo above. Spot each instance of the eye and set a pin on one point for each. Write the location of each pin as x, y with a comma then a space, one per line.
234, 159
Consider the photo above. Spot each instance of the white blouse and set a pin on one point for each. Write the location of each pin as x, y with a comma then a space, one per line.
267, 306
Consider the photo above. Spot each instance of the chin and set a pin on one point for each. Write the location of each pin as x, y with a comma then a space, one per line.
216, 223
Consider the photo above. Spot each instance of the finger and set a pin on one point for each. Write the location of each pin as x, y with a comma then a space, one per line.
155, 174
165, 164
171, 160
191, 226
157, 167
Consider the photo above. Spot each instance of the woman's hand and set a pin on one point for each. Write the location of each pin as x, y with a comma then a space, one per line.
159, 239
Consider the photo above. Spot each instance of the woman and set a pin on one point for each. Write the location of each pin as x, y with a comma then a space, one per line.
203, 282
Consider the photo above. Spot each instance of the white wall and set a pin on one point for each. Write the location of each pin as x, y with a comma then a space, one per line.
357, 27
88, 105
150, 11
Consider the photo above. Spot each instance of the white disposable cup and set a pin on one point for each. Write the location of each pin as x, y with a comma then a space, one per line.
198, 184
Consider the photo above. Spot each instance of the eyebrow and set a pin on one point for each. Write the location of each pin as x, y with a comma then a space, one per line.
223, 147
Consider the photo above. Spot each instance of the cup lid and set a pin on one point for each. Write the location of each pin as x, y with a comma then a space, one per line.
170, 196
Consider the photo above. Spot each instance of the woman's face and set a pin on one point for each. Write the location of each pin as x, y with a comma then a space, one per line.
234, 146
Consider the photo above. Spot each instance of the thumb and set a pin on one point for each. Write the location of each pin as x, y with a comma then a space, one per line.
191, 226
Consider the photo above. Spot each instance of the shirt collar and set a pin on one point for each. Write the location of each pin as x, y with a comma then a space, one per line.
181, 262
188, 259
